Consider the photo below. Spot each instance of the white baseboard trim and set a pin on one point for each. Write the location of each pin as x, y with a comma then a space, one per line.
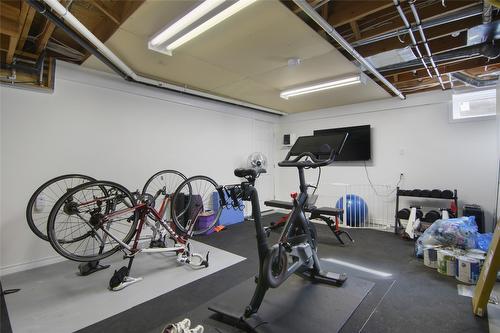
14, 268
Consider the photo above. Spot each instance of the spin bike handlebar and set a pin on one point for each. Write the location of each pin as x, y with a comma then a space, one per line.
318, 151
313, 163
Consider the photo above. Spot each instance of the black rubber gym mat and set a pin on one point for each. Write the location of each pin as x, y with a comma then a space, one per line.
296, 306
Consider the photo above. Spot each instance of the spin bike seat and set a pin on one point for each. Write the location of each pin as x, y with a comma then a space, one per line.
248, 172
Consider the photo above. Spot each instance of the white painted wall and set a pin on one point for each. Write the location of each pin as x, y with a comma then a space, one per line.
414, 137
99, 125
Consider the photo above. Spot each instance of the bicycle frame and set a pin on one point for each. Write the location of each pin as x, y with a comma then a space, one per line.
144, 210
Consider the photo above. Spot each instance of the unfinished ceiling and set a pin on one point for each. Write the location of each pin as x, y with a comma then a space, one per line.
461, 36
241, 58
245, 57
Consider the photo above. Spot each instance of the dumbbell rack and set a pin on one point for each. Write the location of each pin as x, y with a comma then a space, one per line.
397, 223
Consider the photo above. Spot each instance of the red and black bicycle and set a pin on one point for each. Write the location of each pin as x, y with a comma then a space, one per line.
98, 218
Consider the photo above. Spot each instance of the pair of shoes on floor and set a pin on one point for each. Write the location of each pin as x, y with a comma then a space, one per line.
184, 326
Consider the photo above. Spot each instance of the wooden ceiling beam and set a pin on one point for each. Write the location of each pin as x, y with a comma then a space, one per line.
8, 11
128, 8
106, 11
425, 13
105, 30
355, 30
25, 23
437, 32
344, 12
325, 11
42, 40
9, 27
11, 49
443, 69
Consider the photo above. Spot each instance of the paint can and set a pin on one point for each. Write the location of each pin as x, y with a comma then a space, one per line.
481, 257
467, 269
430, 256
446, 262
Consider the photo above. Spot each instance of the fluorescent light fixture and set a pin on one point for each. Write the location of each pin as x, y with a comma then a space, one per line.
226, 13
322, 86
358, 267
202, 18
191, 17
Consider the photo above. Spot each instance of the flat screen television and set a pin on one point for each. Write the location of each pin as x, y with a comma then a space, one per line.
358, 144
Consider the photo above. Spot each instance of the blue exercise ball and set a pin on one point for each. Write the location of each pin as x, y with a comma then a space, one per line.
356, 210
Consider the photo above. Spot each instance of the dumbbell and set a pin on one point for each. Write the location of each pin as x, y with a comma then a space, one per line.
416, 192
404, 214
432, 215
425, 193
436, 193
447, 194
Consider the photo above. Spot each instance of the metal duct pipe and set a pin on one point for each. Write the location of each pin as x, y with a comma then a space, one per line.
487, 12
426, 44
473, 81
412, 36
93, 45
306, 8
487, 50
455, 16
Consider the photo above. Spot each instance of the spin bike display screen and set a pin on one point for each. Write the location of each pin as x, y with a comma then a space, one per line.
320, 146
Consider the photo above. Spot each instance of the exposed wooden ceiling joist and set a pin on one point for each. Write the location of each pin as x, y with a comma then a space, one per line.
121, 12
42, 40
106, 11
26, 25
452, 66
355, 30
428, 12
344, 12
431, 33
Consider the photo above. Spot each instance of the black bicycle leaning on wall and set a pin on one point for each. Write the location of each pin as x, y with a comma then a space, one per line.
296, 250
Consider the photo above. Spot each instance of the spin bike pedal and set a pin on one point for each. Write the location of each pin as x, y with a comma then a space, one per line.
331, 278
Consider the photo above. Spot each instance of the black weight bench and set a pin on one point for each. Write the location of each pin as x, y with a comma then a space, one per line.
321, 213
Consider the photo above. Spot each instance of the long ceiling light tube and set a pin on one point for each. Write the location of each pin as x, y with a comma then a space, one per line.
198, 12
320, 86
127, 72
311, 12
226, 13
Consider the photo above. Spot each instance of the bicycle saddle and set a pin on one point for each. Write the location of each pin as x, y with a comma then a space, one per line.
248, 172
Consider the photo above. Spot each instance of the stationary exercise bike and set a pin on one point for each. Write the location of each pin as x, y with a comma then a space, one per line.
296, 250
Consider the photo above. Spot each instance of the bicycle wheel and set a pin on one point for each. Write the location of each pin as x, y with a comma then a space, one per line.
194, 209
44, 198
92, 221
163, 183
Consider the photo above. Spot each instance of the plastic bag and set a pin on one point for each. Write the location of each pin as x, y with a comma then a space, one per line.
458, 232
483, 241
